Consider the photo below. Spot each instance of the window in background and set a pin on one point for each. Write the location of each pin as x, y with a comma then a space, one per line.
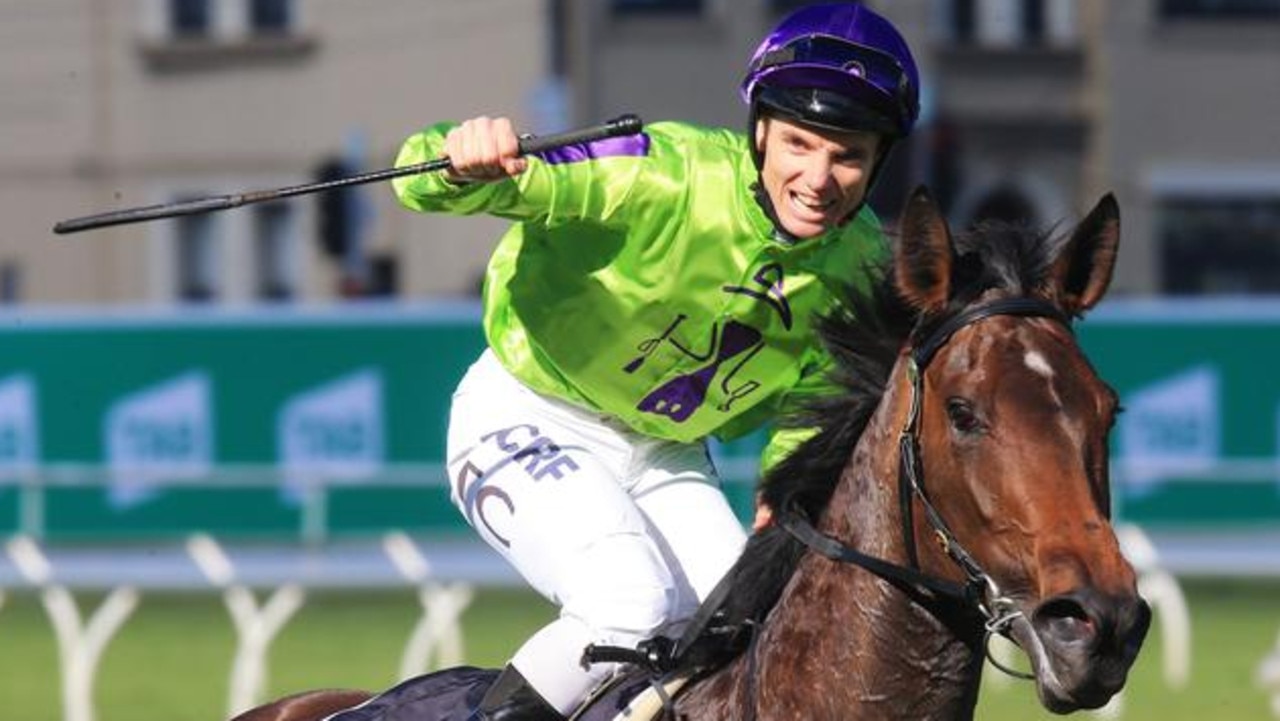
960, 21
270, 17
782, 7
1220, 9
652, 7
273, 243
190, 18
1219, 245
194, 18
202, 35
1011, 23
1033, 22
197, 259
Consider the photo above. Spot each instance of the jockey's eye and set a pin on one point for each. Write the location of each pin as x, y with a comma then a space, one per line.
962, 416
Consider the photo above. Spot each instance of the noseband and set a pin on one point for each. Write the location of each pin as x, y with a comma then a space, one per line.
979, 592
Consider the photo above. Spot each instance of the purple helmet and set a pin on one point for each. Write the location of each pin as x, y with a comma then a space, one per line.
838, 66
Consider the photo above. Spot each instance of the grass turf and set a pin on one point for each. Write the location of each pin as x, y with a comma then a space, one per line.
172, 659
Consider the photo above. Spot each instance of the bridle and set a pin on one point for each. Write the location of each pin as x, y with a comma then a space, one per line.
979, 591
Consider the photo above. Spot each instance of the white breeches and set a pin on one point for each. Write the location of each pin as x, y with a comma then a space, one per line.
625, 533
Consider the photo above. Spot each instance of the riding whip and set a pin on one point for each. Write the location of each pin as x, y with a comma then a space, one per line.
621, 125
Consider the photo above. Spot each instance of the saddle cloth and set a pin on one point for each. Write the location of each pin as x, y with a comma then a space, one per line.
453, 693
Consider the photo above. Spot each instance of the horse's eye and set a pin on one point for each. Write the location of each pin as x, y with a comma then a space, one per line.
963, 418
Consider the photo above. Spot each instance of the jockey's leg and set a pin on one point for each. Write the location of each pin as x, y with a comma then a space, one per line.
697, 530
543, 483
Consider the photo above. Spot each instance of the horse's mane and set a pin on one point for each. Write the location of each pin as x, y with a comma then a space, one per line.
864, 335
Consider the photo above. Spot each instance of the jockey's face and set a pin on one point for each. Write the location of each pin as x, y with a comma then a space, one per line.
814, 177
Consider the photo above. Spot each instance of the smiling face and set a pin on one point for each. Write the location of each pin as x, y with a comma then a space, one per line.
813, 177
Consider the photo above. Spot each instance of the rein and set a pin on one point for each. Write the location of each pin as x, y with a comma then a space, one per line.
979, 591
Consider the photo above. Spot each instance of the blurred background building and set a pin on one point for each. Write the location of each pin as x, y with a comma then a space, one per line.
209, 374
1032, 109
111, 104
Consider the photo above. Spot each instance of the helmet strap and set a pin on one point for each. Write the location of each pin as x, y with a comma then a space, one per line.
766, 204
753, 119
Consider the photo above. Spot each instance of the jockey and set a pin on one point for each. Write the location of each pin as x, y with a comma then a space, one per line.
654, 291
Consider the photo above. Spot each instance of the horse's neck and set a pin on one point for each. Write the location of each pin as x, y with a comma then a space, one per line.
864, 649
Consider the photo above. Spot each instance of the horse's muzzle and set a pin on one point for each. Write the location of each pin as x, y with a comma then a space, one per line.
1083, 645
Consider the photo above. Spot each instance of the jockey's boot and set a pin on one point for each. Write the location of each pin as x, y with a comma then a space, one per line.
511, 698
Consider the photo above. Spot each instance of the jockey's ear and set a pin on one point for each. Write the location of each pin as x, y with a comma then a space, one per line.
1082, 271
923, 258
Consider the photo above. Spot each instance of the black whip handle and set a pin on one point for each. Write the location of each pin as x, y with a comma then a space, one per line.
619, 126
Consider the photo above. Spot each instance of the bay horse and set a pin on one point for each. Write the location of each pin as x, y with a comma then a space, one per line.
956, 487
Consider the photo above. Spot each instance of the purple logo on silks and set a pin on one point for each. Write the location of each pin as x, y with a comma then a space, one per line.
679, 397
768, 277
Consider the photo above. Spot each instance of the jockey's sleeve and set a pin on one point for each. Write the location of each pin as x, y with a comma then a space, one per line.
599, 190
782, 443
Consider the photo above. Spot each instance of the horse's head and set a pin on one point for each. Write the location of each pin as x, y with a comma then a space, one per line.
1012, 439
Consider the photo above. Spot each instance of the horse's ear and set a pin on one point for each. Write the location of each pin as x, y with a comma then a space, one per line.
922, 263
1082, 270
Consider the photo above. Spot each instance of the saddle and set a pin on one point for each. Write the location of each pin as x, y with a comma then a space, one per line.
651, 675
453, 693
634, 696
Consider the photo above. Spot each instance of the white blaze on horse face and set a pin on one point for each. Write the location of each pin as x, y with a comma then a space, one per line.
1036, 361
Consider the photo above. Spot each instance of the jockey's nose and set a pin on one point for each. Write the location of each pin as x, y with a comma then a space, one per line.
817, 175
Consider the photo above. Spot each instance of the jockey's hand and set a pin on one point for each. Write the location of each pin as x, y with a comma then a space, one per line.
764, 515
483, 149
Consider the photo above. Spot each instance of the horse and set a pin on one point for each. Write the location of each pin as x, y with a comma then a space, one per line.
956, 487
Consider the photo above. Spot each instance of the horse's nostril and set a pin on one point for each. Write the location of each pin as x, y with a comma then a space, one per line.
1066, 621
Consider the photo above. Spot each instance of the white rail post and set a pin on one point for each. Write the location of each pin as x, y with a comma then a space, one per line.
80, 645
1162, 591
442, 608
1165, 595
1114, 708
255, 627
1269, 677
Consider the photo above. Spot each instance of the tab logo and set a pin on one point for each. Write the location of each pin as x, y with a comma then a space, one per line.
1171, 426
19, 429
161, 432
334, 430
